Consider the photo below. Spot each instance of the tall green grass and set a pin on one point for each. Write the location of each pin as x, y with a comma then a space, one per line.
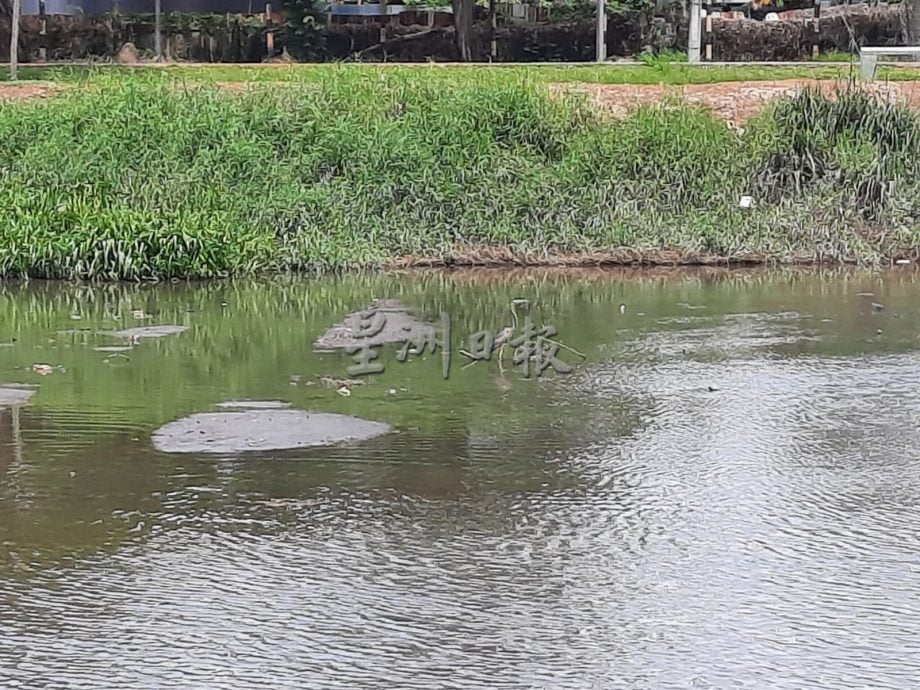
130, 177
668, 68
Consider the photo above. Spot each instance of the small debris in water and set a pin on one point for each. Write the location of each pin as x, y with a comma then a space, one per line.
112, 348
344, 391
622, 308
877, 307
713, 389
331, 382
42, 369
391, 391
254, 405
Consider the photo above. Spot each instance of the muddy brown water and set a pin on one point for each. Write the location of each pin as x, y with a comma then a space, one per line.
724, 494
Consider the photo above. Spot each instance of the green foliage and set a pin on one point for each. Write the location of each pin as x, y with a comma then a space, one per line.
575, 10
670, 72
143, 176
304, 36
661, 58
855, 146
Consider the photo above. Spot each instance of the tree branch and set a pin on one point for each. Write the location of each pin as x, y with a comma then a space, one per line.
398, 39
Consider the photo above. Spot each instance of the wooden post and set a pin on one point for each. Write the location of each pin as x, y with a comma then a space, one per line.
157, 29
601, 31
14, 40
708, 39
269, 34
814, 47
42, 32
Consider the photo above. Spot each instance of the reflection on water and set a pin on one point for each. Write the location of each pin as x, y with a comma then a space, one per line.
725, 494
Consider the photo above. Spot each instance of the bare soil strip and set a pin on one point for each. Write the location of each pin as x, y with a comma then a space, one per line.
733, 101
24, 90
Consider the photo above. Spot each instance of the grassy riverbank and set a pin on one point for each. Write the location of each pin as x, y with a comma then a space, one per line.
145, 177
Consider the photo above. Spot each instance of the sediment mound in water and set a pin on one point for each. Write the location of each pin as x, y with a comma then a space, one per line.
150, 331
398, 323
10, 396
261, 429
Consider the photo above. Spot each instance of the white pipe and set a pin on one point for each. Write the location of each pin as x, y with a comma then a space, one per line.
158, 32
601, 55
14, 40
693, 40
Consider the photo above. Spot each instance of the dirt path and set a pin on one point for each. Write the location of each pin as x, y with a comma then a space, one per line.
734, 101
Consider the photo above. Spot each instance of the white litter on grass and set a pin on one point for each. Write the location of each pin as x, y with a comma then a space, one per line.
746, 201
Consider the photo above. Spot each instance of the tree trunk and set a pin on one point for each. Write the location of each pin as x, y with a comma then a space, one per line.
463, 27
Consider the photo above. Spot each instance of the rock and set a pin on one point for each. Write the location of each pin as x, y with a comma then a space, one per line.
11, 396
261, 430
128, 55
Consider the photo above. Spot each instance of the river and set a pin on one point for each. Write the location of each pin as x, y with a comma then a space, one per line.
724, 492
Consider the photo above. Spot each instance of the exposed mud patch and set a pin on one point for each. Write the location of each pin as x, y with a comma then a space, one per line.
11, 396
397, 323
261, 430
141, 332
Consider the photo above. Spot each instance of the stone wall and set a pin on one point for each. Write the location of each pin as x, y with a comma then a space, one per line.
241, 39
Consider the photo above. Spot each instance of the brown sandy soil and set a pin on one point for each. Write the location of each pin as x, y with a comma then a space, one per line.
734, 101
15, 92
